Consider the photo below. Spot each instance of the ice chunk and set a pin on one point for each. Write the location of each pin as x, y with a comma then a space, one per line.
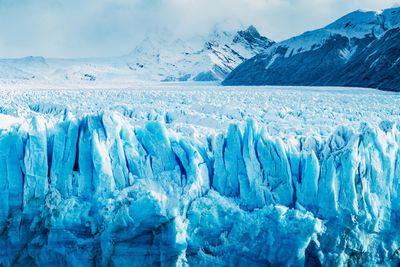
36, 166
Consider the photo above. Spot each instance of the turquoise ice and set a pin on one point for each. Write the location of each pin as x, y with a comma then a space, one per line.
101, 191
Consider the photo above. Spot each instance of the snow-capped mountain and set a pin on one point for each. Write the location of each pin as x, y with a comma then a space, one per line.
359, 49
159, 57
22, 68
41, 71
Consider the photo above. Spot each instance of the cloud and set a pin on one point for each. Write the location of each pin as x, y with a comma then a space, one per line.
86, 28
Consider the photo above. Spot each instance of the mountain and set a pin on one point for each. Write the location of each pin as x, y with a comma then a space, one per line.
163, 57
159, 57
21, 68
360, 49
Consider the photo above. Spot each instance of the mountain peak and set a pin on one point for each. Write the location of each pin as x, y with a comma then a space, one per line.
364, 22
210, 57
358, 49
253, 37
252, 31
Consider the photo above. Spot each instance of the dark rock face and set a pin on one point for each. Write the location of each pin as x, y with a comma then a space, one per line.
253, 38
339, 60
299, 69
377, 66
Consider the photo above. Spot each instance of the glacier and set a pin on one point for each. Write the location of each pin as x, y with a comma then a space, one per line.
99, 190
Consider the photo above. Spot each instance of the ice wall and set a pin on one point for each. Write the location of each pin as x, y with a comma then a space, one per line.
97, 191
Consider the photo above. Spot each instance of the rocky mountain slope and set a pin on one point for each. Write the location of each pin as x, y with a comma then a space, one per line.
360, 49
161, 56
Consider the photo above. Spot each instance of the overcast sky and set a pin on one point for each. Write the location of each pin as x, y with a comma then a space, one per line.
88, 28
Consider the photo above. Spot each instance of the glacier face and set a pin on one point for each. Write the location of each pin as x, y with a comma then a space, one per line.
98, 190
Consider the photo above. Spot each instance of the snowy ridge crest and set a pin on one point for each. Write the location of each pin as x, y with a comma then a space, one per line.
357, 50
88, 190
355, 25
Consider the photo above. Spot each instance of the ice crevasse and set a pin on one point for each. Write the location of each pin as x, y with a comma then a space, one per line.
99, 191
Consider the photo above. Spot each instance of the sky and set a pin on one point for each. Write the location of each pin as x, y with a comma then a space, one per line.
98, 28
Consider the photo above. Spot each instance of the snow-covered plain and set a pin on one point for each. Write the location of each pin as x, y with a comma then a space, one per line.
193, 109
199, 175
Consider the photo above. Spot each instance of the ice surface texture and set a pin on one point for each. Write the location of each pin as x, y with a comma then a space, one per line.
99, 191
199, 110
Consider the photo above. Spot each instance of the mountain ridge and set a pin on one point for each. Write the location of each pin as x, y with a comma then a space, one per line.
160, 57
319, 57
208, 58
